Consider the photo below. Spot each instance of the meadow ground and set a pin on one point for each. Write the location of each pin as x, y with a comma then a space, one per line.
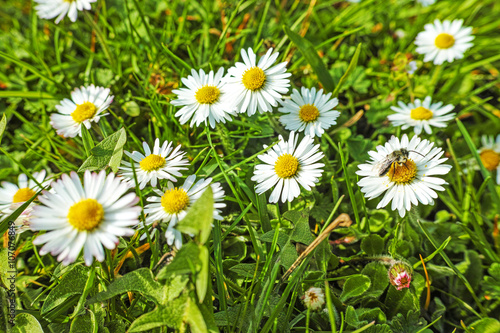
250, 166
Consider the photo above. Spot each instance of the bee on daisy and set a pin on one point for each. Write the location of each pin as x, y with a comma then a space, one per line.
309, 111
286, 166
163, 162
86, 105
48, 9
172, 205
421, 115
405, 171
257, 86
205, 97
444, 41
490, 154
14, 195
88, 216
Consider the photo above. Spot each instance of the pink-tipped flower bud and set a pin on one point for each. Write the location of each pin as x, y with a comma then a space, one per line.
400, 274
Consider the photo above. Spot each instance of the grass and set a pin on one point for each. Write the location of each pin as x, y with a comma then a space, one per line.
233, 280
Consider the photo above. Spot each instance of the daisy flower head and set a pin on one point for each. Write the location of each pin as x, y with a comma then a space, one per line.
163, 162
87, 216
48, 9
309, 111
405, 171
205, 97
14, 195
314, 298
444, 41
86, 105
490, 154
257, 86
421, 115
286, 166
173, 204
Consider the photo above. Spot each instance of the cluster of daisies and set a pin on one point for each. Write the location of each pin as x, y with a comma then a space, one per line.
92, 214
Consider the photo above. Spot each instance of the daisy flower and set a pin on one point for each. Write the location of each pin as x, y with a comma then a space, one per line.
490, 154
421, 115
173, 204
48, 9
408, 183
444, 41
86, 105
205, 97
164, 162
286, 166
310, 112
12, 196
257, 85
314, 298
89, 216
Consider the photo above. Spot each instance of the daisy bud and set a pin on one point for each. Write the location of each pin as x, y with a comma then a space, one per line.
400, 275
314, 298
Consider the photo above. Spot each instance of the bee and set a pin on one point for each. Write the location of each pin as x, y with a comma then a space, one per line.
399, 157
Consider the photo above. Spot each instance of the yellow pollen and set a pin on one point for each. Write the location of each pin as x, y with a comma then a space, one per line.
254, 78
308, 113
83, 112
490, 159
404, 173
152, 162
207, 94
444, 41
421, 113
86, 215
286, 166
174, 200
23, 194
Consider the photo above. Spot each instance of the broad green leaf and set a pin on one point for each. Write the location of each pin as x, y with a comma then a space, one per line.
131, 108
140, 280
373, 245
6, 267
72, 283
199, 218
355, 286
351, 317
350, 69
3, 125
186, 261
25, 322
311, 55
171, 315
378, 275
108, 152
486, 325
203, 275
194, 318
301, 232
84, 324
245, 270
400, 301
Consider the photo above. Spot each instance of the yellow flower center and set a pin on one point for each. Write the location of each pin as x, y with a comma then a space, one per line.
308, 113
444, 41
174, 200
254, 78
490, 159
152, 162
23, 194
86, 215
286, 166
421, 113
207, 94
83, 112
404, 173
